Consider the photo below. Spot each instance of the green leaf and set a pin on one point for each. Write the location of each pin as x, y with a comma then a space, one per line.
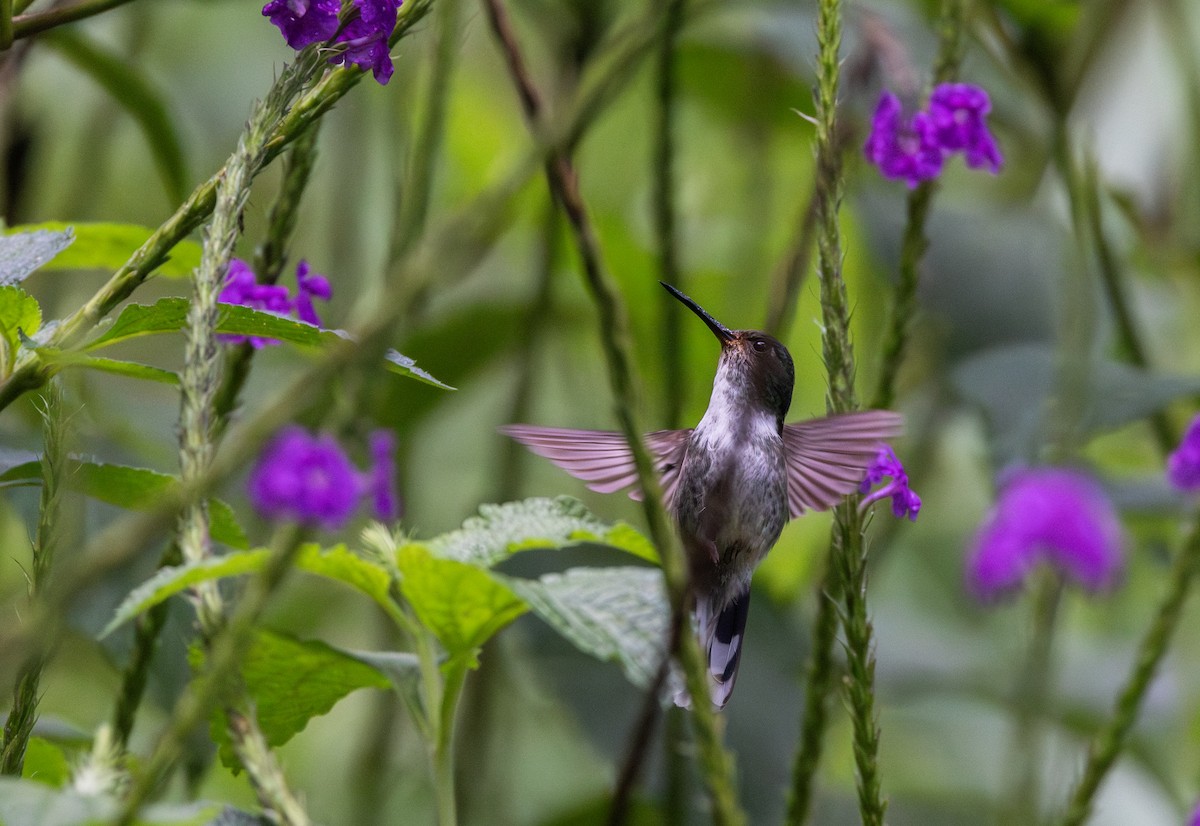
502, 530
19, 315
132, 369
24, 250
26, 803
129, 86
616, 614
169, 315
460, 603
46, 763
291, 681
108, 246
337, 563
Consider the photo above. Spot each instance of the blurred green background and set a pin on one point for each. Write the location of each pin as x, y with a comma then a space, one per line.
542, 726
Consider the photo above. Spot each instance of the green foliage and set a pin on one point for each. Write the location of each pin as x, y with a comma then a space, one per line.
26, 803
20, 317
107, 246
46, 763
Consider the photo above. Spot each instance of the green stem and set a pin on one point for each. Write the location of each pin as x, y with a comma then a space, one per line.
716, 763
31, 24
1108, 741
675, 389
6, 24
27, 693
818, 685
443, 757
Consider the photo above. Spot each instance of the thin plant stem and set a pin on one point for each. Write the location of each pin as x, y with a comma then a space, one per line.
226, 650
443, 756
820, 673
665, 236
26, 693
1033, 687
28, 25
846, 548
1108, 742
716, 763
920, 200
789, 273
6, 24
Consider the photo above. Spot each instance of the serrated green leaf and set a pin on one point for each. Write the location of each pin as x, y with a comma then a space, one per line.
338, 563
46, 763
399, 363
26, 803
19, 315
129, 86
108, 246
460, 603
24, 250
539, 523
616, 614
291, 681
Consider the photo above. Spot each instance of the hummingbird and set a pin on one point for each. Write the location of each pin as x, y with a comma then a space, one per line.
732, 482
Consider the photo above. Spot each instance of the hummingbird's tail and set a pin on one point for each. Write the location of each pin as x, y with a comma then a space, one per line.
721, 625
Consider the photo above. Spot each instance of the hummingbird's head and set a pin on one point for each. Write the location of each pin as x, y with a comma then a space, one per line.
751, 359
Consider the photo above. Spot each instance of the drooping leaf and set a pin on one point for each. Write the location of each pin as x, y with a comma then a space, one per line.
337, 563
291, 681
27, 803
24, 250
108, 246
616, 614
132, 369
460, 603
502, 530
169, 315
129, 86
20, 316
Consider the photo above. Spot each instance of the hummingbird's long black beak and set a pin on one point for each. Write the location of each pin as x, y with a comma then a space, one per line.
719, 330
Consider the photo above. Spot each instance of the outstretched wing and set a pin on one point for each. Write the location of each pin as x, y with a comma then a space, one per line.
602, 458
827, 458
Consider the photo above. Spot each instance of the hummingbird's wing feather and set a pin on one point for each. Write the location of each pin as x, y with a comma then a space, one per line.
827, 458
602, 458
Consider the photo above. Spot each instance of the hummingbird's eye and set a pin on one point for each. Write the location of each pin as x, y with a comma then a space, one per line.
760, 344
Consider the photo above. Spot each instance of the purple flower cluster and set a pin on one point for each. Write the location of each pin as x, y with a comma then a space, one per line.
1183, 466
914, 147
905, 501
242, 287
1054, 515
309, 479
363, 40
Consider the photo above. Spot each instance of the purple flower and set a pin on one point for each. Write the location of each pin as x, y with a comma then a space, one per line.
1183, 466
903, 148
958, 112
1194, 820
365, 38
306, 479
1053, 515
905, 502
309, 286
304, 21
241, 287
382, 484
309, 479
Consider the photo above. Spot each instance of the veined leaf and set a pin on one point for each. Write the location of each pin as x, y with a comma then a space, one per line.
20, 316
337, 563
502, 530
291, 681
460, 603
617, 614
109, 246
23, 250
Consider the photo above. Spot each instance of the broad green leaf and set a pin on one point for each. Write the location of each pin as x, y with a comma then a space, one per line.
617, 614
502, 530
460, 603
169, 315
129, 86
337, 563
291, 681
106, 246
24, 250
46, 763
27, 803
19, 315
